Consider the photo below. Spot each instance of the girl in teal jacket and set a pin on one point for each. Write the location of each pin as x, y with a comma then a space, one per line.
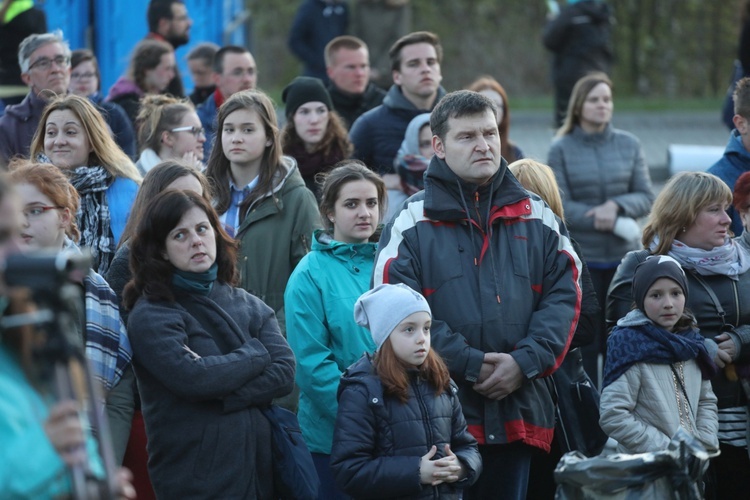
319, 301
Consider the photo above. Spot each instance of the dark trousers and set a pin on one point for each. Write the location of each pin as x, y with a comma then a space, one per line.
328, 489
729, 474
505, 472
600, 278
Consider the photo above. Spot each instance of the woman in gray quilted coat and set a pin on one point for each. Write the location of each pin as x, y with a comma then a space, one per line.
604, 183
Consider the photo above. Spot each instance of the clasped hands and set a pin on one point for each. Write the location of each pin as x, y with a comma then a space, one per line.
499, 376
443, 470
605, 215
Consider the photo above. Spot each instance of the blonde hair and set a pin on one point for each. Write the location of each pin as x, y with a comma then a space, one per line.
104, 150
159, 113
539, 178
678, 205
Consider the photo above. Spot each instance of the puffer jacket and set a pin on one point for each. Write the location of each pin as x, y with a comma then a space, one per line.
380, 441
319, 305
275, 235
593, 168
639, 410
735, 162
734, 297
378, 134
500, 277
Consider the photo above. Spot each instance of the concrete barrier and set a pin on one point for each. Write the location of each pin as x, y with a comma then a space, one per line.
692, 158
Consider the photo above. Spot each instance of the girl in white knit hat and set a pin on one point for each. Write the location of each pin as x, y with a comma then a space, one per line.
399, 429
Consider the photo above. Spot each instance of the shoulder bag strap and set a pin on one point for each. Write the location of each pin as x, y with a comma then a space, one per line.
719, 310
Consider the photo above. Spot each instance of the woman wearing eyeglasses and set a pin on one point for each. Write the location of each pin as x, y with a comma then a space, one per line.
168, 129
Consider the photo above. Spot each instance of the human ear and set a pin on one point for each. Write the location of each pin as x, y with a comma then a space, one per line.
438, 147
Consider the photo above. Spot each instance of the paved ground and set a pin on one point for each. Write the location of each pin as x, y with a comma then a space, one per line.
657, 130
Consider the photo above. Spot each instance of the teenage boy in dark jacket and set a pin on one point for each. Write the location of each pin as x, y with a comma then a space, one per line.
500, 274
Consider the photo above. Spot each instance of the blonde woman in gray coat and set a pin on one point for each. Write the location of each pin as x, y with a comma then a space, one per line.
605, 185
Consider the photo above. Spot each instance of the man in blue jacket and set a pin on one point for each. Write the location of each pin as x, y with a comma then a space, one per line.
377, 134
736, 159
502, 280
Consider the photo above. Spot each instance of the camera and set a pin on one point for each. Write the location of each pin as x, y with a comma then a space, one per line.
46, 270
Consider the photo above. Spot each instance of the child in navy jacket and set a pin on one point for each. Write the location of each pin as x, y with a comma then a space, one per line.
399, 429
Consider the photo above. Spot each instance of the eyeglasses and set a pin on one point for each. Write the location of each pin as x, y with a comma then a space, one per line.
82, 76
196, 131
45, 63
37, 210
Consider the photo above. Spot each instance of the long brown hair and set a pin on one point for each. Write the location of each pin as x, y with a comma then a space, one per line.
218, 170
393, 372
507, 149
336, 137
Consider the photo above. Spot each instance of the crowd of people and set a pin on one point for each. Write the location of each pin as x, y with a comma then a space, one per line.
383, 262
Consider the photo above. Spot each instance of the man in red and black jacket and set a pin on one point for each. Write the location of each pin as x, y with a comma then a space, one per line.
502, 280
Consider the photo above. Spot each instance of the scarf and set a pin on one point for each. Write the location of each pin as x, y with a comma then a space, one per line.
649, 343
93, 214
310, 164
198, 283
726, 260
411, 169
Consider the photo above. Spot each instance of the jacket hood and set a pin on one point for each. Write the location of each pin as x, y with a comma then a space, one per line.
410, 145
395, 99
124, 86
736, 149
362, 372
597, 10
447, 195
636, 317
324, 242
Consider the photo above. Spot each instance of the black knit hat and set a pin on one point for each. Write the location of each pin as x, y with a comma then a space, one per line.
653, 268
302, 90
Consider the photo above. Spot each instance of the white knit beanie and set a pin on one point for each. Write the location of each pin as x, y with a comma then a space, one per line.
385, 306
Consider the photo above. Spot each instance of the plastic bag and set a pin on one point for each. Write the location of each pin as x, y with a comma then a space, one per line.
673, 473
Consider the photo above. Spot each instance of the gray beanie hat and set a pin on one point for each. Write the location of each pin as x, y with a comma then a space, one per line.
385, 306
653, 268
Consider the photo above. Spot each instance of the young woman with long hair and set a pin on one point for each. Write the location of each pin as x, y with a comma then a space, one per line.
73, 136
260, 195
314, 134
603, 180
319, 302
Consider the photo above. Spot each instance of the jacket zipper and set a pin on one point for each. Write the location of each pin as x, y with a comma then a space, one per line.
425, 417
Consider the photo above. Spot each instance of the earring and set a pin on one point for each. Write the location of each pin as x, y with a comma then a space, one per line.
268, 143
684, 229
331, 219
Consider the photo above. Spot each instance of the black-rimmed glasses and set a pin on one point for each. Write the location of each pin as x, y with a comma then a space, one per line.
45, 63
